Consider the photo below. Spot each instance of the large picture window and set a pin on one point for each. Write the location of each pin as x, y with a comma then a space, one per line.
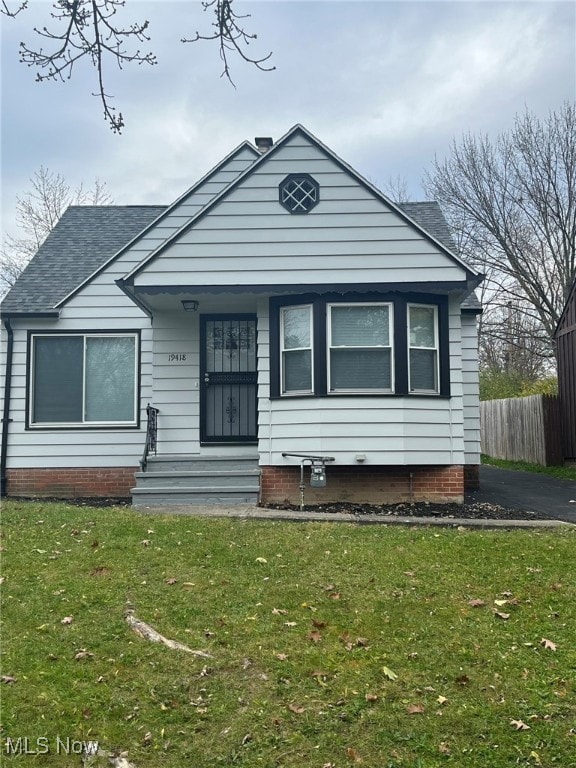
83, 379
423, 348
360, 348
296, 349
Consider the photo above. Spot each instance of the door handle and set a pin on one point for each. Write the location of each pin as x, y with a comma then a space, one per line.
206, 378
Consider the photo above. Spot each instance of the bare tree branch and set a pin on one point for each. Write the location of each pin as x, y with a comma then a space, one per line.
88, 30
37, 212
232, 36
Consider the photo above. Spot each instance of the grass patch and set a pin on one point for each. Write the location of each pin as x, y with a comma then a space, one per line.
332, 644
563, 473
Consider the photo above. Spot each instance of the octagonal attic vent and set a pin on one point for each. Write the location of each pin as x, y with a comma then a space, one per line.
299, 193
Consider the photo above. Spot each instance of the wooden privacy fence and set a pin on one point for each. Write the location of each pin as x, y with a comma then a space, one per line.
522, 429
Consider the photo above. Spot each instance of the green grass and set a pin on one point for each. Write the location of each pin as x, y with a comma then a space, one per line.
305, 623
563, 473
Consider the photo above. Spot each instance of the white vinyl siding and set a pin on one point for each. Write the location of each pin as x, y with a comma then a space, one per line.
471, 388
101, 306
423, 349
248, 238
360, 348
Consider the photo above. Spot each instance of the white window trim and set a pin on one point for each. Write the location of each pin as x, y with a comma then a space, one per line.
330, 347
310, 348
435, 348
84, 424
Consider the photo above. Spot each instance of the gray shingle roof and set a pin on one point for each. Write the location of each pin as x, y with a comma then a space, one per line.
81, 242
86, 237
430, 217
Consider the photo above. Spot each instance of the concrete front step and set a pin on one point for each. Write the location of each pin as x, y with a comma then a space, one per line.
144, 497
178, 479
182, 463
221, 478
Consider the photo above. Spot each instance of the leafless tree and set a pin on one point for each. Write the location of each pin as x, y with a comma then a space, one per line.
90, 30
396, 188
37, 212
512, 205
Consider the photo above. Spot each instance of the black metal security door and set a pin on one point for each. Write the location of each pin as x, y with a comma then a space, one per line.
228, 379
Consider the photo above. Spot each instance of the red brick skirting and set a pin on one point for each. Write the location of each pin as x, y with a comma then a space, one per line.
69, 483
370, 485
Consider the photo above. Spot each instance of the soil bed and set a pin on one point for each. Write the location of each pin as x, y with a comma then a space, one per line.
467, 511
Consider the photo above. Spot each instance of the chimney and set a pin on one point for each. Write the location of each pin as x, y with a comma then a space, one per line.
263, 143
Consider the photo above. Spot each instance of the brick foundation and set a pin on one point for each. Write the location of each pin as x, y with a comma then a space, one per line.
69, 483
472, 477
369, 485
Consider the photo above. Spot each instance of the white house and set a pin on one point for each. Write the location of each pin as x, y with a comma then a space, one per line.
282, 305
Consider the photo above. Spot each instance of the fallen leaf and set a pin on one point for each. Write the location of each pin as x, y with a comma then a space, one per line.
281, 656
476, 602
335, 595
408, 573
146, 542
296, 708
548, 644
8, 679
362, 642
501, 615
261, 560
279, 611
389, 674
318, 624
500, 603
83, 654
519, 725
171, 581
462, 680
353, 754
314, 636
371, 697
441, 699
290, 623
67, 620
415, 709
444, 748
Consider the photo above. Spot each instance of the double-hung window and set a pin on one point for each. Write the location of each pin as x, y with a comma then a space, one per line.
296, 335
83, 379
423, 348
360, 348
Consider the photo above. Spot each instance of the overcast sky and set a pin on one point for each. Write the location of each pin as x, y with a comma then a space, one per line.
387, 85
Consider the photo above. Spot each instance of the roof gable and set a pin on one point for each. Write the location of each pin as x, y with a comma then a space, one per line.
251, 201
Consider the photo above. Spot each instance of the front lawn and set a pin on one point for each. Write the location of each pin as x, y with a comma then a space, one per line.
331, 644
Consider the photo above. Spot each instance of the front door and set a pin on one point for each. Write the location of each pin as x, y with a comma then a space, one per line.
228, 379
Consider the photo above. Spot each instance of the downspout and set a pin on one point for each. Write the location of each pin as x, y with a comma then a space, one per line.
6, 414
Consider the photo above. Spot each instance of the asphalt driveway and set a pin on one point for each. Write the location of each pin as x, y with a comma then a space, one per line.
527, 491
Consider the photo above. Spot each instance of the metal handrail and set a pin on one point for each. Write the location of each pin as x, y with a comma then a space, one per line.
151, 435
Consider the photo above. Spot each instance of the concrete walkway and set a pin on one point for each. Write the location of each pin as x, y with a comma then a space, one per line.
249, 511
527, 491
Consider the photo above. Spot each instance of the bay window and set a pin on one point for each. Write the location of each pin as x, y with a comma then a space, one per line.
393, 344
83, 379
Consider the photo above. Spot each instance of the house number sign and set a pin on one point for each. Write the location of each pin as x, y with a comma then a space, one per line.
176, 357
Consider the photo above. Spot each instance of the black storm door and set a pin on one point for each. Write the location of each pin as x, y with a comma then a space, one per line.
228, 379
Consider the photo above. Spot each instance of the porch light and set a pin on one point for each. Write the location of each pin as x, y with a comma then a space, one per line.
190, 305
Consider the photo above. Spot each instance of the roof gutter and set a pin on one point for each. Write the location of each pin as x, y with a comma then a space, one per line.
6, 414
123, 285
